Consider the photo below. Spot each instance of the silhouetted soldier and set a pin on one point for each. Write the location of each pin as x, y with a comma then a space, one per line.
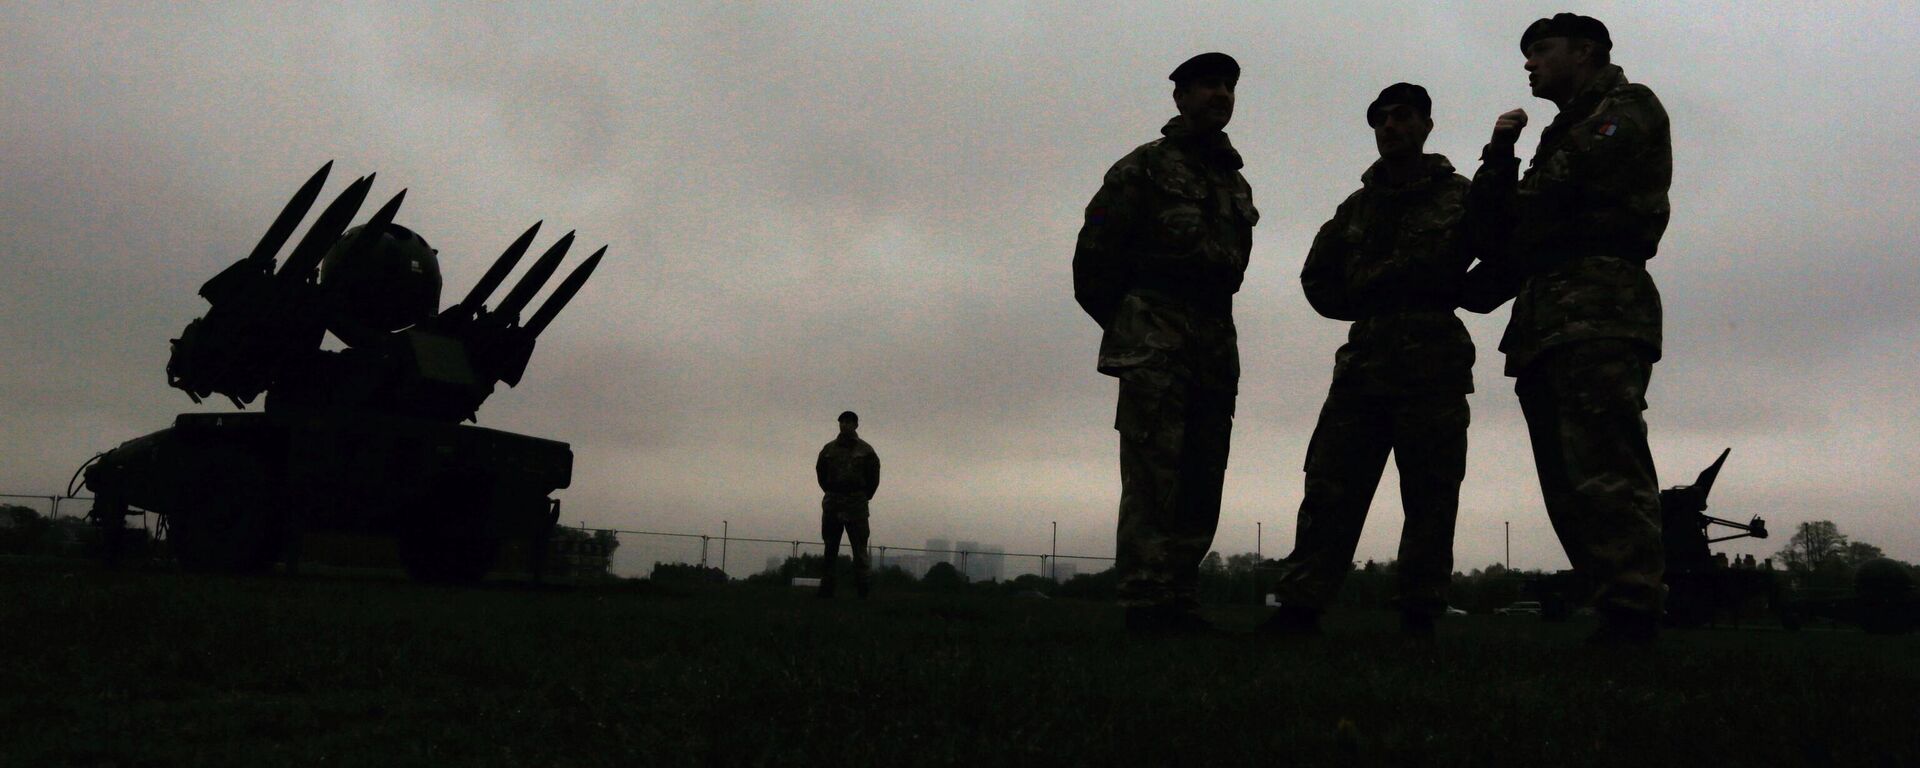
1162, 252
1391, 261
849, 473
1585, 331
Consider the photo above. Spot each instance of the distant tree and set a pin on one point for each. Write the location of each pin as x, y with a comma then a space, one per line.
1090, 586
682, 573
1235, 579
1029, 582
1814, 544
943, 576
1857, 552
810, 566
22, 529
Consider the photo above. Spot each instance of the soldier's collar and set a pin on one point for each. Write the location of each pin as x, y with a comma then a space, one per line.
1214, 146
1610, 77
1437, 166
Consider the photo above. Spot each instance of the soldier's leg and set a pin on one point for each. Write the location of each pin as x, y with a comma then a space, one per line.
857, 532
1345, 457
1151, 419
830, 528
1203, 473
1430, 450
1585, 417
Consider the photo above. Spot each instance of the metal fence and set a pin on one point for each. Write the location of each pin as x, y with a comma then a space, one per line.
638, 552
742, 556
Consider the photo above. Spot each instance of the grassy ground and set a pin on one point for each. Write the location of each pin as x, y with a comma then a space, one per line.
159, 668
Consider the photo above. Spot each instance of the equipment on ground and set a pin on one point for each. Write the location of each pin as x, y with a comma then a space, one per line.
366, 439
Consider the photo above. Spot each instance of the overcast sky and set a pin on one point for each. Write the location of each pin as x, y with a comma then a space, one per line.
820, 207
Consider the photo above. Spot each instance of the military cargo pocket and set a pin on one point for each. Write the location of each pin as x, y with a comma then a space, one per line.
1143, 404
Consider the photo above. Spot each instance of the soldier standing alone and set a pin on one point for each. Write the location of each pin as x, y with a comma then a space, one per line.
1585, 331
1163, 250
849, 473
1391, 261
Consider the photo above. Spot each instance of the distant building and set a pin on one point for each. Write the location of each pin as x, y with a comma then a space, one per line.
980, 562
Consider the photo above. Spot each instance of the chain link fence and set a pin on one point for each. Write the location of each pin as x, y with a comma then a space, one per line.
577, 552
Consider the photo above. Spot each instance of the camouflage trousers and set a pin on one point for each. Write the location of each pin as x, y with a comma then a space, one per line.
1174, 439
1582, 403
1427, 435
840, 512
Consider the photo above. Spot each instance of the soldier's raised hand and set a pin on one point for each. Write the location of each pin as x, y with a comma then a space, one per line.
1506, 127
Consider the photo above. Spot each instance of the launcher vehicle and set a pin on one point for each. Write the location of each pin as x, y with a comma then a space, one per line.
366, 439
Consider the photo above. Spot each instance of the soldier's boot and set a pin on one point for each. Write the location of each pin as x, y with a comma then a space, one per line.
1291, 621
825, 592
1622, 629
1165, 620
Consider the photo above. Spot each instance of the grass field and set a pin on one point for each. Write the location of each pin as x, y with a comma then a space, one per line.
154, 667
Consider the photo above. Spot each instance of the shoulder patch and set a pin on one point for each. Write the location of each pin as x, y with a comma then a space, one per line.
1606, 125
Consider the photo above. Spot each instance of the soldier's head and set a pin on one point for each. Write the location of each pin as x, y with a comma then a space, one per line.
1563, 54
1401, 118
1203, 90
849, 423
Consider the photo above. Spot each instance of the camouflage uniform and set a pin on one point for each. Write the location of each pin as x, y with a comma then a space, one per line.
1585, 331
849, 472
1392, 261
1163, 250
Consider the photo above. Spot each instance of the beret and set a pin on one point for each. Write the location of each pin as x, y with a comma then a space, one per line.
1567, 25
1204, 65
1399, 93
848, 416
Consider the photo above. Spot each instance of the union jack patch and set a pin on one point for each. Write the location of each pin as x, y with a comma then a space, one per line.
1606, 127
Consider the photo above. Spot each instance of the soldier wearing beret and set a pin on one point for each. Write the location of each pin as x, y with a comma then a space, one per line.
1391, 262
848, 470
1163, 249
1582, 222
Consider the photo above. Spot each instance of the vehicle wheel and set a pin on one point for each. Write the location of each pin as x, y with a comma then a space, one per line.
447, 559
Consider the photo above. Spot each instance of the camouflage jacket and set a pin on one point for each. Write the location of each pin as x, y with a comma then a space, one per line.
1581, 225
849, 467
1163, 249
1391, 260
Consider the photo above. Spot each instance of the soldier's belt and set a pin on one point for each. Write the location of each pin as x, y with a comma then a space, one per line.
1207, 302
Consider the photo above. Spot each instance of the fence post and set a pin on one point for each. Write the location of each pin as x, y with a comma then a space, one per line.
703, 551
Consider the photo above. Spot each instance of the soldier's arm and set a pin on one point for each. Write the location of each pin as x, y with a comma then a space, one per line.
1621, 172
1324, 276
820, 469
1488, 285
873, 475
1103, 259
1482, 238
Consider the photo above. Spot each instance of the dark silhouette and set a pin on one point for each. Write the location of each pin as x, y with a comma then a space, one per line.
1390, 261
1162, 252
368, 439
848, 470
1580, 226
1702, 586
